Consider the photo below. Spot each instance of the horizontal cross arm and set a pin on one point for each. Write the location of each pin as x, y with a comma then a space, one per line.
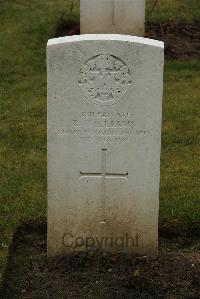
118, 175
98, 174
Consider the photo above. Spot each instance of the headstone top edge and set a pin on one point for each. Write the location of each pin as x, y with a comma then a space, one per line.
105, 37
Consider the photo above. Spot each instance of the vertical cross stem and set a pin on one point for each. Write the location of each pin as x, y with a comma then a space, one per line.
103, 185
103, 174
113, 12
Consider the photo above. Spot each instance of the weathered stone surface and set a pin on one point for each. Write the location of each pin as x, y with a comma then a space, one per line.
104, 129
112, 16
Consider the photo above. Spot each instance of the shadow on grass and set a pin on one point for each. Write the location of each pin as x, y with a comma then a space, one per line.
67, 25
29, 238
101, 275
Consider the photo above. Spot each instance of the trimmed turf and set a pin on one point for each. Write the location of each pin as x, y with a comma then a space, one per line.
180, 159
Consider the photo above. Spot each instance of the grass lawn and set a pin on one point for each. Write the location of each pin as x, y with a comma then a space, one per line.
180, 159
25, 28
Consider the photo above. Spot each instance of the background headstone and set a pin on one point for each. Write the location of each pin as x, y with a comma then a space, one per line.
104, 132
112, 16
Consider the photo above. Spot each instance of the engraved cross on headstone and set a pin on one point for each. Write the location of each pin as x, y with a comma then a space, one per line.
103, 174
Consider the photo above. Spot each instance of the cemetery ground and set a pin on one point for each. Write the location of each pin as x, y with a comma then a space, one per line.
25, 28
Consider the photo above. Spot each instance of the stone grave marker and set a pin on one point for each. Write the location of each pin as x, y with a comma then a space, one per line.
112, 16
104, 136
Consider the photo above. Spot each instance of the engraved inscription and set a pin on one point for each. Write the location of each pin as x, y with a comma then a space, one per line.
103, 174
104, 126
104, 79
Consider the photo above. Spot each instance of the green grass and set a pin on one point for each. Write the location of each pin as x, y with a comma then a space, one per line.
25, 28
180, 159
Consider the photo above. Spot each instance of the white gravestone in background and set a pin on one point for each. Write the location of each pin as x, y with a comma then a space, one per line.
112, 16
104, 132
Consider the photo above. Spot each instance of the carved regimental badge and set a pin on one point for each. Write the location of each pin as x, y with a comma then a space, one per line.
104, 79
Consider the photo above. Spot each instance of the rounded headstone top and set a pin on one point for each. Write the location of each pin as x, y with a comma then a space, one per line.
106, 37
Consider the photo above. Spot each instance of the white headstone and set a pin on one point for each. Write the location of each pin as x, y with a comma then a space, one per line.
112, 16
104, 132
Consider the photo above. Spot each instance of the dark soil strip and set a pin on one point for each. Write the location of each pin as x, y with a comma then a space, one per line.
181, 40
175, 273
67, 27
